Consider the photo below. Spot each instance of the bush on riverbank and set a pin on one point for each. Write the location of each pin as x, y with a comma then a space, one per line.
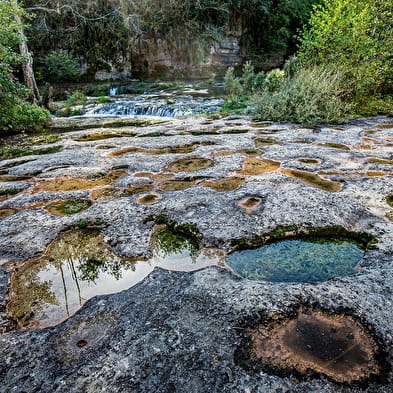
312, 96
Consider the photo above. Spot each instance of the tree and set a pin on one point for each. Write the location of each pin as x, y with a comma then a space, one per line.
15, 113
27, 59
355, 38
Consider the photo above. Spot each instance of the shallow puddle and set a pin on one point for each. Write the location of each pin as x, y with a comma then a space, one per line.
295, 260
315, 342
6, 178
149, 199
312, 161
74, 184
176, 184
262, 142
335, 145
389, 200
79, 265
382, 161
227, 184
165, 150
191, 164
108, 193
104, 135
313, 180
64, 208
257, 166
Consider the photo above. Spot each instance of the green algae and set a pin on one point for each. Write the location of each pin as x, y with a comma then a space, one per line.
64, 208
389, 200
313, 180
9, 191
9, 152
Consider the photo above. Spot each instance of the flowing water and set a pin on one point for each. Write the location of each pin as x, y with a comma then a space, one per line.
163, 103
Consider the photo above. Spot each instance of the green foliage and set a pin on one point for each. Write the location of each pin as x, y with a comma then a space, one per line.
353, 37
275, 79
118, 31
313, 96
245, 85
15, 113
61, 67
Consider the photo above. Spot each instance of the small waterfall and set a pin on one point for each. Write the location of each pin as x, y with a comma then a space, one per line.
144, 105
113, 91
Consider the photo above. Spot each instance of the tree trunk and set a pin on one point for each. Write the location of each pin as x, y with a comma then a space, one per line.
27, 64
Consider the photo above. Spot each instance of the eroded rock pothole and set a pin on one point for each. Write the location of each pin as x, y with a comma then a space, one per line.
315, 342
79, 265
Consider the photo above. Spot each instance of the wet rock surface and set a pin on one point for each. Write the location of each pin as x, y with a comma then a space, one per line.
177, 332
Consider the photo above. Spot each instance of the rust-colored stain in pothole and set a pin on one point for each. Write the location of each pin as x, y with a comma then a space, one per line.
257, 166
316, 342
227, 184
72, 184
190, 164
313, 180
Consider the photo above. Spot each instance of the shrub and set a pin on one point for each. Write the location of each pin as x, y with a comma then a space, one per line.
275, 79
61, 67
232, 84
313, 96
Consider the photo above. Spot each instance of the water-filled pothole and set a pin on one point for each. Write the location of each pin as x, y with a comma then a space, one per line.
164, 150
8, 211
190, 164
257, 166
298, 260
108, 193
227, 184
389, 200
313, 180
79, 265
314, 342
64, 208
74, 184
149, 199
